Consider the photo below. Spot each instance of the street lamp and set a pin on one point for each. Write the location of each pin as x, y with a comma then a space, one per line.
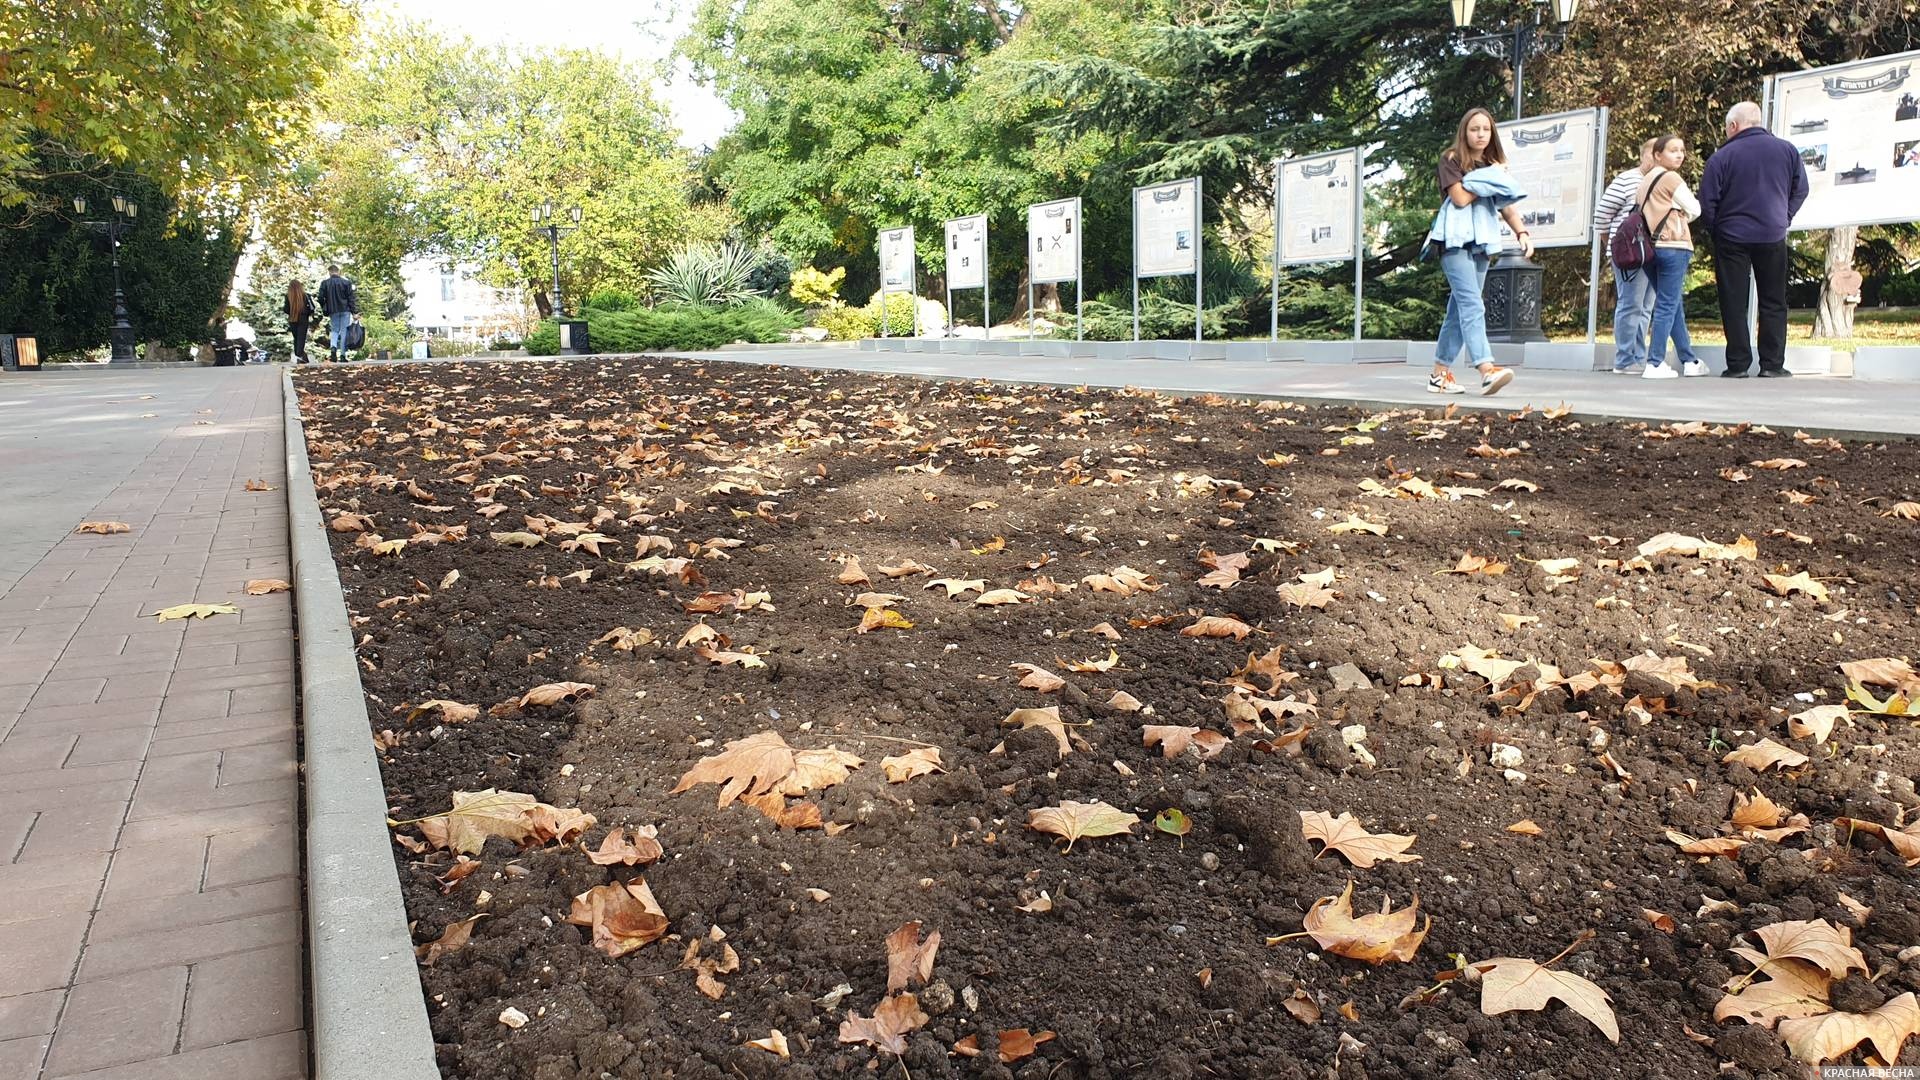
573, 335
1527, 38
115, 227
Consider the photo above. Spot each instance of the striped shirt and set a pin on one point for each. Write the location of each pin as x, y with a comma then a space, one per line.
1615, 202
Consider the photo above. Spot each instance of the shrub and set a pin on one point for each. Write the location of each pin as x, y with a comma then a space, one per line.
609, 299
710, 274
899, 314
673, 327
1902, 290
773, 276
843, 323
816, 288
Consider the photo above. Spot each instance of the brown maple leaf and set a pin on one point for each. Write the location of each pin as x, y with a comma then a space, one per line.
887, 1028
763, 764
909, 959
623, 917
1346, 836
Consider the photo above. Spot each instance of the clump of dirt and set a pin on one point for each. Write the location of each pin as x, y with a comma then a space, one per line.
1150, 958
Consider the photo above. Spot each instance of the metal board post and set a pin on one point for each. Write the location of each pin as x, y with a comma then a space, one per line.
1599, 242
1133, 261
986, 282
1359, 231
1274, 334
1199, 256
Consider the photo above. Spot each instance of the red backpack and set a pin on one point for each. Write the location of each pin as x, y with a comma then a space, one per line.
1632, 246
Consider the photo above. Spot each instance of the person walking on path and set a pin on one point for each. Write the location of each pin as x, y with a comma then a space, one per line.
1479, 192
1632, 289
340, 305
301, 315
1753, 186
1668, 206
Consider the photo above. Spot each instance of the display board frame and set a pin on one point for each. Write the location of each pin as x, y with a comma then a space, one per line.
1356, 250
901, 239
1892, 80
951, 244
1070, 212
1550, 129
1170, 267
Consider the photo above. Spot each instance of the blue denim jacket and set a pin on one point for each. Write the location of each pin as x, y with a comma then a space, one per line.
1476, 224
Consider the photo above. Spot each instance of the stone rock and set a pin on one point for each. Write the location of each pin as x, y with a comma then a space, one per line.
1349, 677
1503, 756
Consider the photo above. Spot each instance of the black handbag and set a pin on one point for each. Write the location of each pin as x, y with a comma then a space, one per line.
356, 335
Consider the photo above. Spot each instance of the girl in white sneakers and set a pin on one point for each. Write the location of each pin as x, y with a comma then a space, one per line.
1466, 233
1668, 206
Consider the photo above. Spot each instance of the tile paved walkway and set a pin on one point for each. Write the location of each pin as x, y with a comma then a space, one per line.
150, 901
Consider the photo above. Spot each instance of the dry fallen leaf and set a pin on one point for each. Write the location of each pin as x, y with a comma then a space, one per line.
104, 528
1676, 544
1301, 1006
1074, 820
1389, 935
1766, 754
1305, 594
1515, 622
852, 575
452, 939
763, 764
1121, 701
774, 1043
1354, 523
1799, 582
1476, 564
1815, 1039
1174, 739
617, 850
887, 1028
1779, 464
555, 693
708, 960
1712, 845
1816, 941
195, 611
1793, 988
909, 959
957, 586
1904, 842
882, 618
260, 485
1035, 677
1018, 1044
1525, 827
1217, 626
263, 586
1659, 920
451, 712
903, 767
623, 917
998, 597
1508, 983
511, 815
1816, 723
1346, 836
1883, 671
1047, 719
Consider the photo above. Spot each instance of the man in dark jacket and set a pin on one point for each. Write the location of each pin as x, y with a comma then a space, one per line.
340, 306
1753, 186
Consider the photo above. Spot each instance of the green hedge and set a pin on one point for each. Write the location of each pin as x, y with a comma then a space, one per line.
672, 327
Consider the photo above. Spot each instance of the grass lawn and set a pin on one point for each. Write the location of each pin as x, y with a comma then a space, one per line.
1871, 326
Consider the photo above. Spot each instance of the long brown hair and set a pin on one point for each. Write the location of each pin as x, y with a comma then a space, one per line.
297, 298
1494, 154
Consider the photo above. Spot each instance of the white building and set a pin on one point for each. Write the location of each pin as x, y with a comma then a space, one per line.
446, 301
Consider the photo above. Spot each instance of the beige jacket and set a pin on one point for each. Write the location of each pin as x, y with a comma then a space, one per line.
1662, 191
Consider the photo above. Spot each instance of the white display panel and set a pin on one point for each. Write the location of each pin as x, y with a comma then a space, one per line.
1166, 228
967, 252
1858, 129
1552, 159
896, 259
1053, 241
1318, 204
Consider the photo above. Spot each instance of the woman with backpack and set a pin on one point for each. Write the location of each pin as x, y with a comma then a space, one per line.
302, 313
1466, 234
1666, 205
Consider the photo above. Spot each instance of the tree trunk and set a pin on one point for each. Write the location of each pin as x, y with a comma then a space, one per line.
1834, 318
542, 302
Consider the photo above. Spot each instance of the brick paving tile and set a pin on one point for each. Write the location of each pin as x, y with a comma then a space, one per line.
117, 1021
151, 917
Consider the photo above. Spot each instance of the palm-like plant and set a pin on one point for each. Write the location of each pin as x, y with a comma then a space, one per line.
716, 274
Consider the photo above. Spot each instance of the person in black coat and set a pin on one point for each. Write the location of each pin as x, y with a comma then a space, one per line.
301, 313
341, 308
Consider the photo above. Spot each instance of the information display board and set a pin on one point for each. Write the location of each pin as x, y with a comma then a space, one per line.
896, 259
1053, 241
1166, 228
1553, 159
1858, 129
1318, 202
967, 252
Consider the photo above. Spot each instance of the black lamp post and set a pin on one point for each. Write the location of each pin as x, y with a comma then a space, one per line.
1526, 39
1515, 283
124, 211
543, 223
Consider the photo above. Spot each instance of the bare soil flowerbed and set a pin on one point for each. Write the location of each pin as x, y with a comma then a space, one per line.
1550, 726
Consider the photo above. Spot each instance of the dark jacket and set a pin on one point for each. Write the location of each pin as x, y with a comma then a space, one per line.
309, 315
336, 295
1752, 188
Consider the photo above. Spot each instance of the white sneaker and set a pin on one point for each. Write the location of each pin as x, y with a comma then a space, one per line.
1444, 383
1493, 378
1659, 371
1693, 369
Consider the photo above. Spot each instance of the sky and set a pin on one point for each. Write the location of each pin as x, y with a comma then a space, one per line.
640, 30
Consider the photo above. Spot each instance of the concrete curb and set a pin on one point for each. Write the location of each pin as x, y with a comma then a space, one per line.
369, 1015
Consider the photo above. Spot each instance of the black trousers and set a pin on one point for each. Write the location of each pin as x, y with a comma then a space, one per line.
1766, 266
299, 341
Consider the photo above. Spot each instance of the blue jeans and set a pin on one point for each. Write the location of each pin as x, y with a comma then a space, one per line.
337, 324
1669, 271
1632, 310
1466, 321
